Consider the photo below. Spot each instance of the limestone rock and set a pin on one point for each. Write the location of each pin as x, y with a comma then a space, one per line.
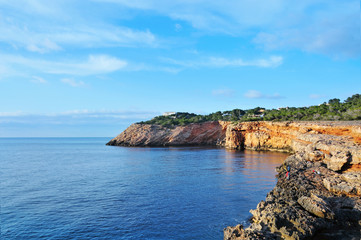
338, 160
337, 144
208, 133
347, 183
316, 206
303, 206
233, 232
315, 155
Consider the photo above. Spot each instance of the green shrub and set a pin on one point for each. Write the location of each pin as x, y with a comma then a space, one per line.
334, 110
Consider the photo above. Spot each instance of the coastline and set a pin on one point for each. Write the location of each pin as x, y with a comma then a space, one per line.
322, 195
313, 203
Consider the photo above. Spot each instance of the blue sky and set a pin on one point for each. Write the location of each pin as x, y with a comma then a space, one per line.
91, 68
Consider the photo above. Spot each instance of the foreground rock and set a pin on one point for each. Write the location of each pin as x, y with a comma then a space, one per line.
321, 198
303, 207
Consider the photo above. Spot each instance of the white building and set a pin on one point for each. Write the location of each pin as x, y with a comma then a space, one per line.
168, 113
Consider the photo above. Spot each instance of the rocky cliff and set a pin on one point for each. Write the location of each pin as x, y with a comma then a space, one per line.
319, 197
313, 202
208, 133
337, 144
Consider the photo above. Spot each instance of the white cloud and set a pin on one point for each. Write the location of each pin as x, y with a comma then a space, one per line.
72, 123
12, 114
40, 7
335, 39
41, 29
223, 92
85, 113
317, 96
273, 61
38, 80
104, 36
258, 94
79, 114
178, 27
214, 16
253, 94
72, 82
43, 46
328, 27
95, 64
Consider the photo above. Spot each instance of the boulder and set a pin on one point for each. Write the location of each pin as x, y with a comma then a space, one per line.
317, 206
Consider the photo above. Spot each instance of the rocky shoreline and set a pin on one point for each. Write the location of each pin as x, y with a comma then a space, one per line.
319, 197
313, 203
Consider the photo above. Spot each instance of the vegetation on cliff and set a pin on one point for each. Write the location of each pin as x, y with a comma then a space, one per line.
333, 110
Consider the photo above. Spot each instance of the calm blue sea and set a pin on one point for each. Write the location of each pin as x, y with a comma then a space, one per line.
78, 188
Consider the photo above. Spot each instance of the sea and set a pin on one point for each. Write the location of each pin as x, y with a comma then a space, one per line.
79, 188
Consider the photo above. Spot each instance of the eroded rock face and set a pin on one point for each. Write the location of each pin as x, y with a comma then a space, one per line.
208, 133
302, 207
337, 144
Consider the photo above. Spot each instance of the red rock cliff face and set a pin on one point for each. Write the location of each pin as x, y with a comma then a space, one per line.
208, 133
337, 144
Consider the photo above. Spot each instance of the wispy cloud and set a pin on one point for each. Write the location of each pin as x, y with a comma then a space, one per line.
12, 114
258, 94
223, 92
337, 38
72, 68
43, 46
212, 16
38, 80
178, 27
106, 113
72, 82
317, 96
41, 29
328, 27
71, 123
273, 61
319, 26
219, 62
95, 64
77, 114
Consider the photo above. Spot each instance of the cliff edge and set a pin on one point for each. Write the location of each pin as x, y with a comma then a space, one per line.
336, 144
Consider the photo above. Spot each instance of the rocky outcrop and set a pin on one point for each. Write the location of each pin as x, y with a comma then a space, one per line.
313, 203
337, 144
321, 197
208, 133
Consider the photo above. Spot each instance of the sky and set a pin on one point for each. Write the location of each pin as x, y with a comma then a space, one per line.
91, 68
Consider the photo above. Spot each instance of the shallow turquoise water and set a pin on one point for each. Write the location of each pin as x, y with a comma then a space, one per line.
78, 188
